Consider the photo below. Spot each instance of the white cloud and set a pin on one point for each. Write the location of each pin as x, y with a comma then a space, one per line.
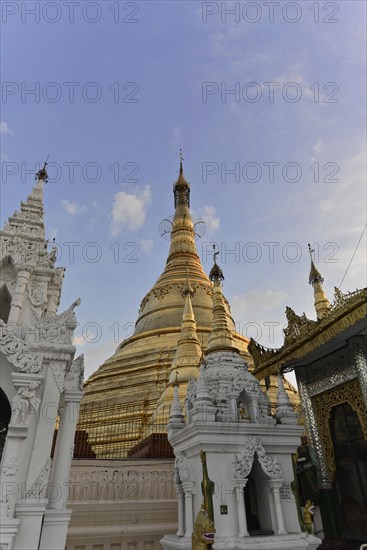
177, 137
318, 146
209, 215
73, 208
4, 128
129, 210
146, 245
258, 314
257, 300
79, 341
70, 207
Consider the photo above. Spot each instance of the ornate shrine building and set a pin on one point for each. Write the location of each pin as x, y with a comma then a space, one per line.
41, 384
329, 358
248, 504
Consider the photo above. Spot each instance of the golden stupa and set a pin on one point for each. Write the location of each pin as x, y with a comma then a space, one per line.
123, 397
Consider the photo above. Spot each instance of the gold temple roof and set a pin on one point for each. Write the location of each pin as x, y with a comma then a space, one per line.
138, 373
303, 336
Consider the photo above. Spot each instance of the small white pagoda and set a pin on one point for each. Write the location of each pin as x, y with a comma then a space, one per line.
248, 451
41, 385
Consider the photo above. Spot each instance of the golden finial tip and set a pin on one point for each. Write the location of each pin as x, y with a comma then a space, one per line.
175, 383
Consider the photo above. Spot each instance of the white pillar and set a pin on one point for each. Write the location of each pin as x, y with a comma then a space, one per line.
233, 407
64, 450
54, 529
189, 489
11, 469
18, 296
254, 410
8, 531
31, 515
57, 517
240, 484
181, 511
275, 485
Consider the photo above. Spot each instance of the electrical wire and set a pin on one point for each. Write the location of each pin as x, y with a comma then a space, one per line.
354, 253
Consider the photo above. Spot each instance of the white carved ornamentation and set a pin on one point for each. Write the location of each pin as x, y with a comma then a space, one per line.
17, 351
57, 329
182, 468
74, 378
38, 292
5, 507
191, 390
119, 483
24, 400
242, 463
38, 488
10, 467
58, 370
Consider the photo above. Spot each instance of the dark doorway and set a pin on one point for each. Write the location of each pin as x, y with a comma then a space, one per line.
252, 510
5, 414
253, 524
5, 303
350, 449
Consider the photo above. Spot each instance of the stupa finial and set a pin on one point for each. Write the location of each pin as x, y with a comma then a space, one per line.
220, 338
322, 304
181, 161
315, 275
216, 274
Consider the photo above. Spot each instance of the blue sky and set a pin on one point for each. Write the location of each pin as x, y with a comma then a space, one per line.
160, 83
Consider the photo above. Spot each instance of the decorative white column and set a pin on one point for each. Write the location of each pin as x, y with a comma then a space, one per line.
181, 510
64, 450
254, 410
31, 514
189, 490
18, 296
275, 485
239, 485
232, 398
57, 517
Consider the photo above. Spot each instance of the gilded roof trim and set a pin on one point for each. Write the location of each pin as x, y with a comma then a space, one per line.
303, 336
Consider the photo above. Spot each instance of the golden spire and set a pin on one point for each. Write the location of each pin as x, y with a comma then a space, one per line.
176, 417
220, 338
188, 353
185, 364
322, 304
182, 231
181, 188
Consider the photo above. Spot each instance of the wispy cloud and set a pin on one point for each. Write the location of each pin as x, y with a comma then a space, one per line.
129, 210
73, 208
146, 245
177, 136
5, 129
318, 146
209, 215
256, 302
259, 314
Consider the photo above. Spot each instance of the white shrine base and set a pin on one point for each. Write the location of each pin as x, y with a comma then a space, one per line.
294, 541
